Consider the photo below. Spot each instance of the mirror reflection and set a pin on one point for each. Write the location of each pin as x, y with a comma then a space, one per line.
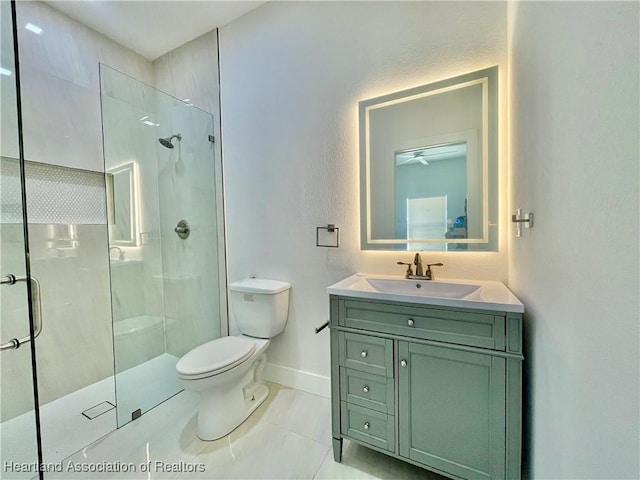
431, 194
429, 166
122, 205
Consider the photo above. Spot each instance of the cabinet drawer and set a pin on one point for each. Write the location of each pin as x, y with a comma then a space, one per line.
367, 390
374, 428
366, 353
444, 325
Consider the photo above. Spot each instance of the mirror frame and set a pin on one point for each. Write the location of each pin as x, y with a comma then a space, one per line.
488, 78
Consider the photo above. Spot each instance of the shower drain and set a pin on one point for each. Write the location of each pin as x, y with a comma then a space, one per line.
98, 410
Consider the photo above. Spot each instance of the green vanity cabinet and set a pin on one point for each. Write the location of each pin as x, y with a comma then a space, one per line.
438, 387
452, 410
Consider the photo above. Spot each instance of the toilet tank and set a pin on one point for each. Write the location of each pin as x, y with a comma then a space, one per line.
260, 307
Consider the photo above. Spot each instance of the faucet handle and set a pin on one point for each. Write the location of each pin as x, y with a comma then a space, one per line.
409, 271
429, 273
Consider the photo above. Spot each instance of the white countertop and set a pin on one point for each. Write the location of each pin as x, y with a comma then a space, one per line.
480, 294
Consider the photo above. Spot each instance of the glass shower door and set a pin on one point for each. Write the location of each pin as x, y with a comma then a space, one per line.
18, 440
163, 237
18, 431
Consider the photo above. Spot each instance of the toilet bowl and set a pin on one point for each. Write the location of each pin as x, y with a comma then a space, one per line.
227, 372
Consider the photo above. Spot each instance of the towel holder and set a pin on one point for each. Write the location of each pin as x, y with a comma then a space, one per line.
322, 327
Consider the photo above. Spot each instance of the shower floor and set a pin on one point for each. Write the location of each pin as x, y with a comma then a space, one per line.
65, 430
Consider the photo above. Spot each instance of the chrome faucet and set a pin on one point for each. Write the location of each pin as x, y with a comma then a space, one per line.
418, 263
120, 253
419, 275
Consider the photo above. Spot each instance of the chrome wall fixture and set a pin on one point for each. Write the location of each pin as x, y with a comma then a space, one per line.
183, 229
328, 236
37, 310
167, 141
518, 219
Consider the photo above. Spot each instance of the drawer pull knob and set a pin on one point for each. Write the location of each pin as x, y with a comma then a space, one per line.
410, 322
364, 354
403, 363
365, 389
366, 425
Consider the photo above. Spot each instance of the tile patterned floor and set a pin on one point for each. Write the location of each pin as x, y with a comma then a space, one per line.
289, 436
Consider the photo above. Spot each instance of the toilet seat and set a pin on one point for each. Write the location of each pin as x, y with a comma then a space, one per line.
215, 357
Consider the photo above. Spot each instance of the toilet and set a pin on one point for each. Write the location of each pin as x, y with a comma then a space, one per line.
227, 372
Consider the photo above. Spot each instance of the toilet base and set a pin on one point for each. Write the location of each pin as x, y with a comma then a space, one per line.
226, 407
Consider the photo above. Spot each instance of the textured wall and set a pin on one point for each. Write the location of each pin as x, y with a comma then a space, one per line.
575, 157
292, 74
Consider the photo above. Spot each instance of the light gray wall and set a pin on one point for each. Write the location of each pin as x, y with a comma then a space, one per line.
292, 74
574, 110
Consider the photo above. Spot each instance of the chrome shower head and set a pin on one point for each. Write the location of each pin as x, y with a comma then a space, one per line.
166, 142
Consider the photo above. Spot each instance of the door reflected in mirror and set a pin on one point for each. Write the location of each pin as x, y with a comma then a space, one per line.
431, 184
429, 166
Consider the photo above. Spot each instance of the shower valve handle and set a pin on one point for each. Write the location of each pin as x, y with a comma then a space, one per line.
183, 229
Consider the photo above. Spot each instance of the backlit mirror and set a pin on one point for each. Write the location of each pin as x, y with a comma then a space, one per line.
429, 166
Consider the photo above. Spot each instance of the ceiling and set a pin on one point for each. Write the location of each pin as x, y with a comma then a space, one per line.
435, 153
153, 28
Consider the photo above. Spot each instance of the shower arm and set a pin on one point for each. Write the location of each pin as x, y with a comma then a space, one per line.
36, 307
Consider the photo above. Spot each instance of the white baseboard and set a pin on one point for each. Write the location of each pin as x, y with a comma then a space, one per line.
305, 381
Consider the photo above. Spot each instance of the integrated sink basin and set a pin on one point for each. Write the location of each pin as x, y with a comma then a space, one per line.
423, 288
482, 294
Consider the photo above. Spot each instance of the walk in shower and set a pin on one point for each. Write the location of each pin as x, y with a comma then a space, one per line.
165, 293
121, 232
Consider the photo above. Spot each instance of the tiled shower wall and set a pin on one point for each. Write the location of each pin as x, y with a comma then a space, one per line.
62, 127
190, 72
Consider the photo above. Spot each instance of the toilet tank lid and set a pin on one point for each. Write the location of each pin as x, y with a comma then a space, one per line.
259, 285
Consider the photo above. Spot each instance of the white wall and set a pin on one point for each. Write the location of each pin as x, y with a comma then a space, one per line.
292, 74
574, 101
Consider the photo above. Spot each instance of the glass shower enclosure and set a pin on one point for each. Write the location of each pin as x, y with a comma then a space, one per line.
18, 432
128, 254
163, 236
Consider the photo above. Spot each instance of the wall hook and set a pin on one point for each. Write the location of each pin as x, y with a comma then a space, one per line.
517, 218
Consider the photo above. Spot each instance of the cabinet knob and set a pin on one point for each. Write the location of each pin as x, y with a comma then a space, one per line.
410, 322
403, 363
364, 354
365, 389
366, 425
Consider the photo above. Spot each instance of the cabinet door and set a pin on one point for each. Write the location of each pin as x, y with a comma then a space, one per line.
452, 410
